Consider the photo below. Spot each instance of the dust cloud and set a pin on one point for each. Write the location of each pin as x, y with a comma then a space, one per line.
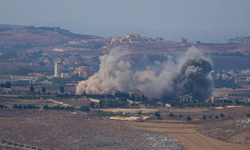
187, 75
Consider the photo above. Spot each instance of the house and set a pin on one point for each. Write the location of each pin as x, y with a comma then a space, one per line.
187, 99
207, 100
136, 94
214, 98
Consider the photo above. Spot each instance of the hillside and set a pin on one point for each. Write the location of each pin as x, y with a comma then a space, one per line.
27, 37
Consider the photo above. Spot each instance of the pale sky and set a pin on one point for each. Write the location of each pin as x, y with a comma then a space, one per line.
143, 14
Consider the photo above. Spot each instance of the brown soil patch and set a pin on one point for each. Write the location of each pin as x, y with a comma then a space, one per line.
142, 110
187, 110
187, 134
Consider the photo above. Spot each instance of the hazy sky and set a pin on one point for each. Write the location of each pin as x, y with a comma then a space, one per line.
160, 15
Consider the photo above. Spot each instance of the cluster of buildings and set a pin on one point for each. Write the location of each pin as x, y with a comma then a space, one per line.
81, 71
134, 38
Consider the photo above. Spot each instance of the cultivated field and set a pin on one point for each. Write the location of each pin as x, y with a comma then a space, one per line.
187, 134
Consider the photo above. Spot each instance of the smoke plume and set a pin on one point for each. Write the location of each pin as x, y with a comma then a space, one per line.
188, 75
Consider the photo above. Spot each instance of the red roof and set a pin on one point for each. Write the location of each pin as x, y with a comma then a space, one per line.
83, 67
215, 96
58, 62
38, 74
208, 99
150, 98
134, 34
137, 92
137, 102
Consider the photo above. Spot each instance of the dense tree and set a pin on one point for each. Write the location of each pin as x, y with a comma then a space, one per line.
43, 90
92, 104
189, 118
61, 89
171, 115
84, 108
32, 89
8, 84
46, 107
157, 114
2, 85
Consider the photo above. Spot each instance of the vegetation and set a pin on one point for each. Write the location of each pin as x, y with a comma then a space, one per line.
229, 83
157, 114
204, 117
6, 85
92, 104
189, 118
25, 107
32, 89
44, 90
171, 115
222, 115
61, 89
104, 103
84, 108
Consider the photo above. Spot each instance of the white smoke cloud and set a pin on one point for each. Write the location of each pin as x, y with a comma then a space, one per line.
187, 75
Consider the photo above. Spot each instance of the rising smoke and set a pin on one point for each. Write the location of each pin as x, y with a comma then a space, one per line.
188, 75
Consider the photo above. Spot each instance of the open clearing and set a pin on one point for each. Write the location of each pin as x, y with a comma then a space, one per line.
142, 110
187, 134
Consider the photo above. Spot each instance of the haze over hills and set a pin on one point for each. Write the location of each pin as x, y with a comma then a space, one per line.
216, 36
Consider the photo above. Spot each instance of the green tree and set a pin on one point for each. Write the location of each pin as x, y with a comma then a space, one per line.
101, 103
189, 118
171, 115
84, 108
216, 116
204, 117
180, 116
157, 114
92, 104
248, 115
32, 89
139, 113
38, 92
46, 107
43, 90
41, 63
2, 85
61, 89
222, 115
8, 84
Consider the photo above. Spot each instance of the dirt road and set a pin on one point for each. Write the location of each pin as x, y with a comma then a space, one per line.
187, 134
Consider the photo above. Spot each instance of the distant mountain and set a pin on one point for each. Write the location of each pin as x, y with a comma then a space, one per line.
10, 26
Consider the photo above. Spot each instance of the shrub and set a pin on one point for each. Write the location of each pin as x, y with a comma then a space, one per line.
211, 116
92, 104
157, 114
222, 115
189, 118
216, 116
180, 116
84, 108
139, 113
171, 115
204, 117
248, 115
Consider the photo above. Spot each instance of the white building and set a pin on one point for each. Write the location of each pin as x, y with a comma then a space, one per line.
58, 69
